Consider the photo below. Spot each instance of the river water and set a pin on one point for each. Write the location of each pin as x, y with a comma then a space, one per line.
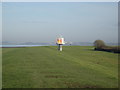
20, 45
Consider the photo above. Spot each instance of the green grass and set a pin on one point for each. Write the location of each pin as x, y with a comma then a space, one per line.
45, 67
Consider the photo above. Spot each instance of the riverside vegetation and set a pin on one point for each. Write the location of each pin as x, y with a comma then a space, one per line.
101, 46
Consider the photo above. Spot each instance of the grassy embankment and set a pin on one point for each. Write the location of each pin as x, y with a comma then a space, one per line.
45, 67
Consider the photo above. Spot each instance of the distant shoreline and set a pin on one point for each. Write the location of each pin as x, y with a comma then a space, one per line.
12, 47
18, 46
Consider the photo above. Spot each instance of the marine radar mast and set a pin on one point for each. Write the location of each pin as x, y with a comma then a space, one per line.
60, 42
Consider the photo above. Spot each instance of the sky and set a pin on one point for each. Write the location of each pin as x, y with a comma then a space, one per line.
0, 24
60, 0
45, 21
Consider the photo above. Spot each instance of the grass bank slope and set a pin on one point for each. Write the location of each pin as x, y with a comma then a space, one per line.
45, 67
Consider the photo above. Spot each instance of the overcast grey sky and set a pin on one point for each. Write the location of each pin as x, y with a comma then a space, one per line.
76, 21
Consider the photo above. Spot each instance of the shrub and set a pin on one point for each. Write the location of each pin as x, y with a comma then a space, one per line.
100, 45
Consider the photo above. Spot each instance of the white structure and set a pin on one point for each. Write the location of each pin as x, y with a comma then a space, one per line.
60, 42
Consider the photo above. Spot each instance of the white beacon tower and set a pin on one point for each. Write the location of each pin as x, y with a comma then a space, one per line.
60, 42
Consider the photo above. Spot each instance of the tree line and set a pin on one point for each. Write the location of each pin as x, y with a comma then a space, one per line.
101, 46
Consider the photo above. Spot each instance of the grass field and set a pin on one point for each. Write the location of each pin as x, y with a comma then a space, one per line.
45, 67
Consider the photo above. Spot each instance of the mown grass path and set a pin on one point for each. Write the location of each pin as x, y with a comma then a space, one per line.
45, 67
